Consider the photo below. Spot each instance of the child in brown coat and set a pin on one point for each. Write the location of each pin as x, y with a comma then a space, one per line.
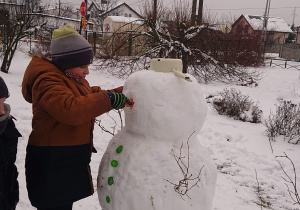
64, 108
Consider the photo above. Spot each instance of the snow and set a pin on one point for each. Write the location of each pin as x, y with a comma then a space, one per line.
147, 170
122, 19
274, 23
240, 150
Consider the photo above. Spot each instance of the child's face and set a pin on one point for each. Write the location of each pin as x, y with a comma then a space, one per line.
80, 72
2, 110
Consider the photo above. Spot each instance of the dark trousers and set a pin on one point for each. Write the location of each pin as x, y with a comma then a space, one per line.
65, 207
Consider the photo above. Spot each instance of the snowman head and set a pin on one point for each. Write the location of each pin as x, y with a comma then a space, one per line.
166, 107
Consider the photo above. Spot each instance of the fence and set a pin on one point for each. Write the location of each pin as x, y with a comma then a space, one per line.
286, 51
287, 64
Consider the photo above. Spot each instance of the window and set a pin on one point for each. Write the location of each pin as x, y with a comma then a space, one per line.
130, 15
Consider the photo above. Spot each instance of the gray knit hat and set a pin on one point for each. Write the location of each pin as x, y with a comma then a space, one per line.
69, 49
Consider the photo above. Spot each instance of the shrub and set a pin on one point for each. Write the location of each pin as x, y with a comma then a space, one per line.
285, 121
232, 103
250, 82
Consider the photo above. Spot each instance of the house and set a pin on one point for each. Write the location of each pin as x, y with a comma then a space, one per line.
12, 7
113, 23
98, 14
125, 27
252, 25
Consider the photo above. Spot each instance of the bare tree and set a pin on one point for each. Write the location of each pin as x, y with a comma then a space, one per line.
172, 35
66, 10
15, 21
32, 5
291, 181
103, 6
62, 9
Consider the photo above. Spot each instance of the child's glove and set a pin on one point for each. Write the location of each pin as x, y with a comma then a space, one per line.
118, 100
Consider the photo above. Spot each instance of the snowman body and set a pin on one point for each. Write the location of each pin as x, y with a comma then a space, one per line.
156, 161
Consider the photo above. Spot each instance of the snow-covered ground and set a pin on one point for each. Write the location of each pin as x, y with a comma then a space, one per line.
240, 150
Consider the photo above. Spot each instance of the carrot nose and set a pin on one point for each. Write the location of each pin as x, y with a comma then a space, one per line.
132, 103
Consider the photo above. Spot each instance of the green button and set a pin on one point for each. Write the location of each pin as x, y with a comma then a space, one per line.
114, 163
107, 199
119, 149
110, 180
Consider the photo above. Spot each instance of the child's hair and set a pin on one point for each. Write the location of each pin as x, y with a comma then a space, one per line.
41, 55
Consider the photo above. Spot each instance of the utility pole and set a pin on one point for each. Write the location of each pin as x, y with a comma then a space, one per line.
193, 17
27, 7
154, 10
294, 15
86, 34
59, 8
265, 25
200, 12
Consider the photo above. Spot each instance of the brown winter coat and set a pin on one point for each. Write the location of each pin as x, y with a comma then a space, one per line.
60, 144
61, 106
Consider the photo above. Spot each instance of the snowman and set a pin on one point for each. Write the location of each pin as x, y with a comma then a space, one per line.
156, 162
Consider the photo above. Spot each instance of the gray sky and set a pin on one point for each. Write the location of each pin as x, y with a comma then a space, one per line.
234, 8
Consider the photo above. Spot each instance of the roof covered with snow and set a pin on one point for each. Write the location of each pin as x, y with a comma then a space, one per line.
276, 24
117, 6
98, 4
122, 19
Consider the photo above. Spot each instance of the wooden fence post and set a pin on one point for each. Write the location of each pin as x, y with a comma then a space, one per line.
285, 64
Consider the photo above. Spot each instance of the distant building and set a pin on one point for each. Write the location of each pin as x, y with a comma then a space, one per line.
126, 27
97, 14
252, 25
112, 23
12, 7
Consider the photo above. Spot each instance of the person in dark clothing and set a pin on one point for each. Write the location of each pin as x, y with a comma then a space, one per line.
9, 186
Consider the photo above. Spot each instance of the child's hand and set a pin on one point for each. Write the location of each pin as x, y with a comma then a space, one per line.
118, 100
